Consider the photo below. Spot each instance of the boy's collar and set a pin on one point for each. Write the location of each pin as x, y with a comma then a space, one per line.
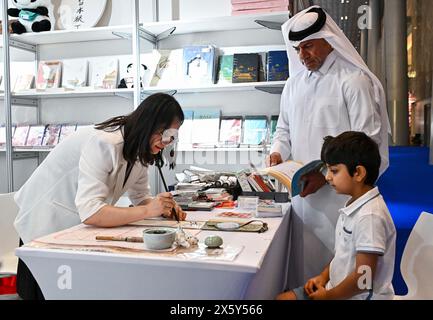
350, 209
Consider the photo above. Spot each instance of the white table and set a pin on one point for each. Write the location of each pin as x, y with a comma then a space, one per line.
259, 271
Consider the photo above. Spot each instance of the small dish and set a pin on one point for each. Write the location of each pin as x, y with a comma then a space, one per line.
159, 238
228, 225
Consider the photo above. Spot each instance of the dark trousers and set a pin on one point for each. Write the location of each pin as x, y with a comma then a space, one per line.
27, 287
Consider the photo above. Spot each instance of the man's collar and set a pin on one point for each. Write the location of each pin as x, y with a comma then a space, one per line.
350, 209
329, 61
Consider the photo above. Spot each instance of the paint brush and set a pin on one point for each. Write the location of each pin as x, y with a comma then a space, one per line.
173, 211
116, 238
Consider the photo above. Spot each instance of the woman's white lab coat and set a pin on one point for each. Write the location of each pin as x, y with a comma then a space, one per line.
81, 175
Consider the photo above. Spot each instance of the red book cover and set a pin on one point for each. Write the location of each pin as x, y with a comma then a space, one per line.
261, 183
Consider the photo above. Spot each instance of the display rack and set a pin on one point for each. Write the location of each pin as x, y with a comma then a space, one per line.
153, 32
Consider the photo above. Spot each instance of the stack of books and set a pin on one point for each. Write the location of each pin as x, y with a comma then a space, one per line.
269, 209
240, 7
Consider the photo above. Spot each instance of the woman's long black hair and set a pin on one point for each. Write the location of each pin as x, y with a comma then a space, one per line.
155, 113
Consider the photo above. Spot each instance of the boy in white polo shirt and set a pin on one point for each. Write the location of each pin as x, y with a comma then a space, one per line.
363, 264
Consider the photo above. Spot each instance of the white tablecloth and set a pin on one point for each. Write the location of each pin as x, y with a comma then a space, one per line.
259, 271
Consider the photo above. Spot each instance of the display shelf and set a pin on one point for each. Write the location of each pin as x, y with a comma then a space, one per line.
23, 149
69, 36
250, 86
225, 23
270, 87
155, 31
81, 93
35, 149
190, 149
183, 149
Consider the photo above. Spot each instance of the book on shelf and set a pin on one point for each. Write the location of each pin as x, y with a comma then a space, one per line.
23, 82
51, 137
277, 66
3, 134
35, 136
20, 136
230, 131
49, 73
168, 72
104, 72
149, 62
246, 67
199, 64
273, 127
289, 174
206, 124
225, 67
263, 59
185, 131
127, 71
18, 69
75, 73
66, 131
255, 130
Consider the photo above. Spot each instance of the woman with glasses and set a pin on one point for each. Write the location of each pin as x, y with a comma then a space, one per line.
83, 178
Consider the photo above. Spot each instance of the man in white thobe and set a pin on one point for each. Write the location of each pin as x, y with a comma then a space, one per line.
330, 91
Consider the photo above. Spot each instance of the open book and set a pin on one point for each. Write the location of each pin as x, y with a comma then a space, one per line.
289, 174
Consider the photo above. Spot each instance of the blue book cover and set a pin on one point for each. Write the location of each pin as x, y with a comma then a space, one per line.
255, 129
277, 66
297, 183
199, 64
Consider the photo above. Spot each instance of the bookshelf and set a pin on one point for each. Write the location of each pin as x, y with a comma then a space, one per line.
227, 23
216, 24
252, 149
161, 35
252, 86
79, 93
70, 36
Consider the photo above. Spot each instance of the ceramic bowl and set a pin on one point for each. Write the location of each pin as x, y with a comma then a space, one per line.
159, 238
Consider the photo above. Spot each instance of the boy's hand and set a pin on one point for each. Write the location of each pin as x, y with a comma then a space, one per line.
313, 284
313, 181
319, 294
